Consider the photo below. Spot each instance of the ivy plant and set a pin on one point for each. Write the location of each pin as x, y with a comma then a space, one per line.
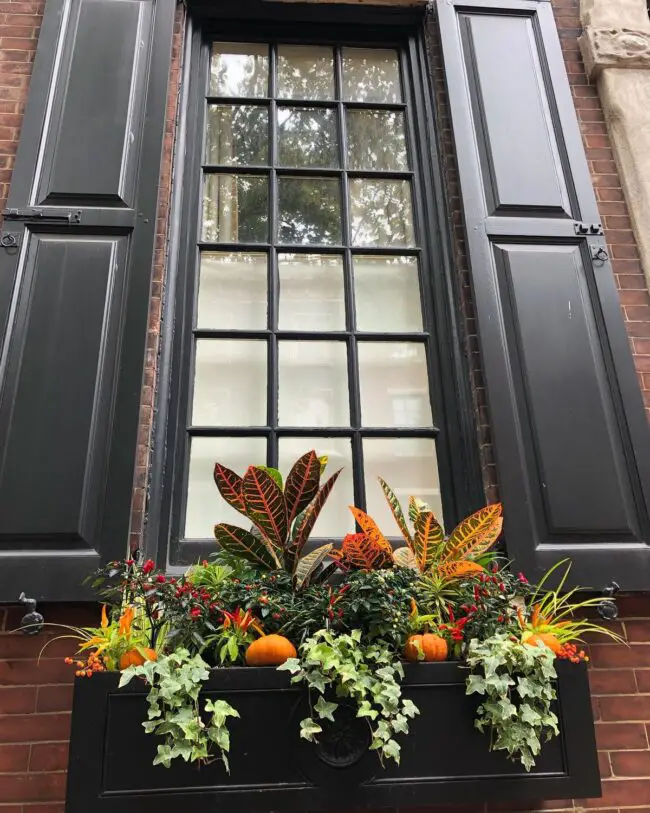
175, 713
517, 684
339, 666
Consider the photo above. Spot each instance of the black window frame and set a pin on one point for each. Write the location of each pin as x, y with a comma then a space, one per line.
449, 381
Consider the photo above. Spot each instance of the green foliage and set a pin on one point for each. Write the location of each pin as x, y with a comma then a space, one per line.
517, 684
337, 666
174, 710
210, 575
283, 514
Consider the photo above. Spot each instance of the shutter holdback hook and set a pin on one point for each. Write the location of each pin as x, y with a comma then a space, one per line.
32, 622
607, 608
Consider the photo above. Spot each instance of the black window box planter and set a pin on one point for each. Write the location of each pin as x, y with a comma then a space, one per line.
444, 759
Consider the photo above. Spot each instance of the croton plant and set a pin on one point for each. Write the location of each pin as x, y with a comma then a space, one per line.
340, 618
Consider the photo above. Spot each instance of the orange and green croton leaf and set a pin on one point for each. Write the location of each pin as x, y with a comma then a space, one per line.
475, 535
427, 540
361, 552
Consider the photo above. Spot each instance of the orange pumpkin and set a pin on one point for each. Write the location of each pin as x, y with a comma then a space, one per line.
136, 657
545, 638
270, 650
433, 646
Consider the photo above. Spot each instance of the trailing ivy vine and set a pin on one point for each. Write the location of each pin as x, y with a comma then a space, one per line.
175, 713
517, 682
341, 666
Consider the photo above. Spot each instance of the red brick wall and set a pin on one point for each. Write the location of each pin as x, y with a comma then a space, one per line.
19, 26
35, 698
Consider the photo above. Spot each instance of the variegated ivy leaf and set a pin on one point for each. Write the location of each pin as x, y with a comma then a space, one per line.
324, 709
309, 728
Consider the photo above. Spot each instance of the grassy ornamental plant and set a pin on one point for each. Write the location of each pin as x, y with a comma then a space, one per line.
340, 617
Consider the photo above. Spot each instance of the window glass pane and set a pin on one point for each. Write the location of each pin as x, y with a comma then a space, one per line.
311, 292
237, 135
376, 140
238, 69
232, 291
371, 75
387, 294
229, 383
205, 507
381, 213
305, 72
410, 468
313, 384
335, 519
310, 210
235, 209
308, 137
394, 385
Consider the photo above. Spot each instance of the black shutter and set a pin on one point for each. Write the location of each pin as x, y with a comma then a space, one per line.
570, 433
75, 267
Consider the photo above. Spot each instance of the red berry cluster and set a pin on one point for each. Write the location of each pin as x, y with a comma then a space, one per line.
569, 652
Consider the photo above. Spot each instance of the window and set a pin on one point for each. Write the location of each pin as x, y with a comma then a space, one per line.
308, 320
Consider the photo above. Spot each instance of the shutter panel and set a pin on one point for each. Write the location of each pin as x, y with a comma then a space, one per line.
74, 290
571, 437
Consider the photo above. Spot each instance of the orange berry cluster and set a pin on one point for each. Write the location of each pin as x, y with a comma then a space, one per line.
88, 669
570, 653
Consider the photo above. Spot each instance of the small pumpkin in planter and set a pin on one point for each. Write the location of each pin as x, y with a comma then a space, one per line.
270, 650
137, 656
432, 647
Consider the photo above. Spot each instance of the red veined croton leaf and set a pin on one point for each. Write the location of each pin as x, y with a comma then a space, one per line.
475, 535
266, 506
242, 543
362, 552
396, 508
303, 525
231, 487
427, 540
302, 484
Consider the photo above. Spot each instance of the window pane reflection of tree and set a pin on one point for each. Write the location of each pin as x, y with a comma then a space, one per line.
308, 137
237, 135
235, 209
309, 210
371, 75
305, 72
381, 213
239, 69
376, 140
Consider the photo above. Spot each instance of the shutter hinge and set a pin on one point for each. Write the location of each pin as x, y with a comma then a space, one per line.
34, 213
587, 228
